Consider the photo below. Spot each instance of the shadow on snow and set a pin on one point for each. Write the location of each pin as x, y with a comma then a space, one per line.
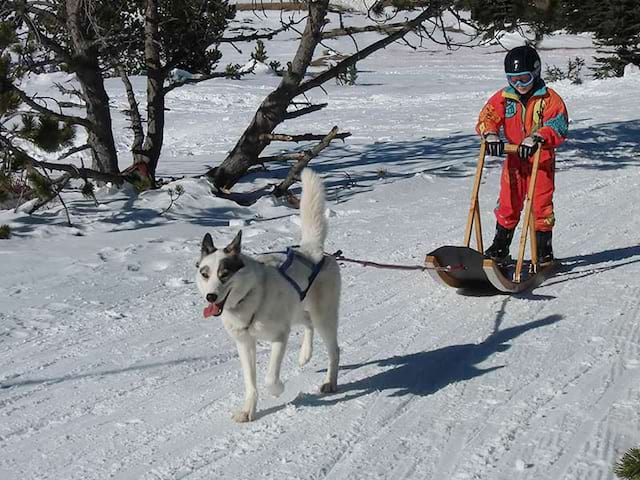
350, 170
424, 373
102, 373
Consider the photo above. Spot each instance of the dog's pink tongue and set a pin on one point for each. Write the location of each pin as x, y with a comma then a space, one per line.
212, 310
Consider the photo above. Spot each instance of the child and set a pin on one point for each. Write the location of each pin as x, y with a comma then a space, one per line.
532, 116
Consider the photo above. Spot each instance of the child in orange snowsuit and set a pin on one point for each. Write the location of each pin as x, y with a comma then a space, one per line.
532, 116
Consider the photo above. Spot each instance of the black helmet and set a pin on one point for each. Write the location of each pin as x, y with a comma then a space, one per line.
523, 59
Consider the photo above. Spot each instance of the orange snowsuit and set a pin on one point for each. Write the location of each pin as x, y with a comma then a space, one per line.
544, 114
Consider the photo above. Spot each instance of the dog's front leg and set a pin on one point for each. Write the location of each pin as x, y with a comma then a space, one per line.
274, 384
247, 352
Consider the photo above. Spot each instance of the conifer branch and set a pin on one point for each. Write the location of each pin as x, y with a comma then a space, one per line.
31, 102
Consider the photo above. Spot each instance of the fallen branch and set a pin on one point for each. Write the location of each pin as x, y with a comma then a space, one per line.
294, 173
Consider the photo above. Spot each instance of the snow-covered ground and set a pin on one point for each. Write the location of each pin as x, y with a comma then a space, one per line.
108, 370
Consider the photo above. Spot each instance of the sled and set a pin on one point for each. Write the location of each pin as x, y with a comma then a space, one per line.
463, 267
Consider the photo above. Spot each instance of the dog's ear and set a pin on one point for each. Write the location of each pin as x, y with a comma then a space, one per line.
235, 246
207, 246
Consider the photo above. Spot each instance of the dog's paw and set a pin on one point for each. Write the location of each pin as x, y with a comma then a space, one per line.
275, 388
328, 388
241, 416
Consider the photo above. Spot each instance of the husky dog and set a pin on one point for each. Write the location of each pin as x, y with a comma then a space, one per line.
258, 299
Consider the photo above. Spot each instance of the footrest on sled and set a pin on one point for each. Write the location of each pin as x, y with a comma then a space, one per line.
470, 269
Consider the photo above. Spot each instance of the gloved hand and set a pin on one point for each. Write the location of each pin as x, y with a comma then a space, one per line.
495, 146
529, 145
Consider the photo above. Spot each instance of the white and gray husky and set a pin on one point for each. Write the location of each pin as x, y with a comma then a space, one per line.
261, 298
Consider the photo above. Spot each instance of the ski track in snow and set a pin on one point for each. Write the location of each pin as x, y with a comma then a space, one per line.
108, 370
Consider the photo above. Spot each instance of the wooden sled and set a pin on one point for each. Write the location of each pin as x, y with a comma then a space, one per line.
465, 268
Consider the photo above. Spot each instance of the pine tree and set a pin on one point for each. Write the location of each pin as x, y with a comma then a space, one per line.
97, 39
40, 129
628, 468
509, 15
160, 36
616, 28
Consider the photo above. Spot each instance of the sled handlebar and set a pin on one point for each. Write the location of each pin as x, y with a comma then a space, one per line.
510, 148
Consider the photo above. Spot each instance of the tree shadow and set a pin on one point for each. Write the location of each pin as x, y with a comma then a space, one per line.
116, 371
605, 146
128, 218
424, 373
581, 266
353, 169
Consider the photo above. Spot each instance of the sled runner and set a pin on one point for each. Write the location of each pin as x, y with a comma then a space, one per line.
480, 272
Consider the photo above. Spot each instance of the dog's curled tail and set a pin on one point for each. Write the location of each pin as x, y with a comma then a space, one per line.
314, 222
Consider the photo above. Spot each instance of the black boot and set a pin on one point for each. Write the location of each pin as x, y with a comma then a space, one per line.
499, 249
545, 250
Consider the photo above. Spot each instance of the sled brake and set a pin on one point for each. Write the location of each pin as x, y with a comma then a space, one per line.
478, 271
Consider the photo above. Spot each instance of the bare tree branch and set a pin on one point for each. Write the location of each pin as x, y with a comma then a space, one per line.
46, 111
365, 52
279, 137
56, 188
304, 111
76, 172
47, 41
284, 157
74, 150
189, 81
259, 36
271, 6
294, 172
133, 112
341, 32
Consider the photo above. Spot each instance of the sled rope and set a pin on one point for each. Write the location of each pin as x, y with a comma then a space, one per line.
391, 266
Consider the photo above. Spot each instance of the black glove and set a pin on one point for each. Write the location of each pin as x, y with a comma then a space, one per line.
528, 146
495, 146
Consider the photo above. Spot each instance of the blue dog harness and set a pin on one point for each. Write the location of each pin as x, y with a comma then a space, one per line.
314, 269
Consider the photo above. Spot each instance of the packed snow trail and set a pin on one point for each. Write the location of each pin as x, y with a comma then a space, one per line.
108, 370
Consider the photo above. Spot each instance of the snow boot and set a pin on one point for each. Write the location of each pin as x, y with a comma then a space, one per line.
545, 250
499, 249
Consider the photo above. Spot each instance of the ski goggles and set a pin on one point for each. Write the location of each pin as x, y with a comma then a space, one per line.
520, 79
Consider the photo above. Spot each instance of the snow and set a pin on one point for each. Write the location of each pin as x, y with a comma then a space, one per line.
108, 370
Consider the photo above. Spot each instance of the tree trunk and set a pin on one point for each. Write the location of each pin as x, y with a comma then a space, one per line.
85, 64
134, 117
155, 94
274, 107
